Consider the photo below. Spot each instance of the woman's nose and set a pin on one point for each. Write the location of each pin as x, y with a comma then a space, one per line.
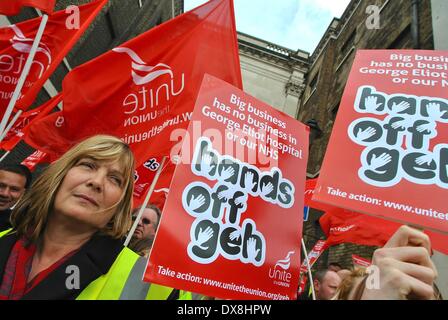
96, 181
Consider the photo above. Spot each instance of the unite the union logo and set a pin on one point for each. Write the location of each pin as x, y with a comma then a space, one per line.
280, 273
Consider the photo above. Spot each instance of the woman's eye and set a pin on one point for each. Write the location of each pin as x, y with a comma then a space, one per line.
87, 164
116, 180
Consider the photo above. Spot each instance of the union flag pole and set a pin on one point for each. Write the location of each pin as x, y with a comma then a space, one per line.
309, 269
23, 76
10, 125
145, 203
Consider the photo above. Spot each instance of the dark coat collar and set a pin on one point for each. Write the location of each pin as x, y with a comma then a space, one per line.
4, 219
93, 260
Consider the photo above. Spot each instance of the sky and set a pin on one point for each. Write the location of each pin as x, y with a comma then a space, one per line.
294, 24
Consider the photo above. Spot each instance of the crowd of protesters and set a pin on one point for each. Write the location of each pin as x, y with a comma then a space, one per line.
77, 212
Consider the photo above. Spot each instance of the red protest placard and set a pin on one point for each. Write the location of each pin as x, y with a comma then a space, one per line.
232, 223
388, 154
310, 187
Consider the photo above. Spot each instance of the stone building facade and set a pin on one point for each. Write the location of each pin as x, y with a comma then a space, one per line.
272, 73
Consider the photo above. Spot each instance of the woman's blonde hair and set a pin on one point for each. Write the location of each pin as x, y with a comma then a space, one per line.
347, 285
31, 214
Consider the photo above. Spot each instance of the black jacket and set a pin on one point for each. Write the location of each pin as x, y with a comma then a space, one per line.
93, 259
4, 219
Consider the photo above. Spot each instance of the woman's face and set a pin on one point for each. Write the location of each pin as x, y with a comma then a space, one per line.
90, 191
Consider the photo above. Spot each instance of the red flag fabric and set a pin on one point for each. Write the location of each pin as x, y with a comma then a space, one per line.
16, 133
343, 226
13, 7
313, 255
57, 40
34, 159
46, 127
144, 176
145, 89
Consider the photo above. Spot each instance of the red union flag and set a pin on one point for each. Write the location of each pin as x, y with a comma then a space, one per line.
388, 153
16, 133
343, 226
15, 44
233, 221
145, 89
13, 7
313, 255
34, 159
144, 176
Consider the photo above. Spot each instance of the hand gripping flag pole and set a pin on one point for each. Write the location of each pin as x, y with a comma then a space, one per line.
23, 76
145, 203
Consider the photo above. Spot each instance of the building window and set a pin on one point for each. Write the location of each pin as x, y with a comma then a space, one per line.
400, 41
313, 83
348, 44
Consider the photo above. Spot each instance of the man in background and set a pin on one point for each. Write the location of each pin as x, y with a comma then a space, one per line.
145, 232
14, 180
326, 282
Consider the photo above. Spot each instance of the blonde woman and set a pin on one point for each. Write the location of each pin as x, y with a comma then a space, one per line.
66, 241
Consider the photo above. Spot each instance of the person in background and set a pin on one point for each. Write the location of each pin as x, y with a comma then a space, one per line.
145, 232
326, 282
14, 180
68, 229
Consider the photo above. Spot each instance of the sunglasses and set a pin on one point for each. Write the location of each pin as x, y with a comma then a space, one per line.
144, 220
